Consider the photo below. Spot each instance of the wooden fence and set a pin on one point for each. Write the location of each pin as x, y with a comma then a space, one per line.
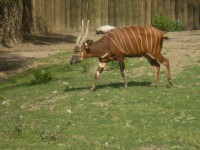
55, 16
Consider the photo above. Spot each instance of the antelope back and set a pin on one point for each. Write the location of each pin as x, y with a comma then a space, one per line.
137, 40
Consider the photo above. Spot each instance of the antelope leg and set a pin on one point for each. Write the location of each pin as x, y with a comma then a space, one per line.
122, 70
100, 69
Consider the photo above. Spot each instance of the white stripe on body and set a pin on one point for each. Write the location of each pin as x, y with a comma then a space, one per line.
135, 39
151, 47
154, 49
158, 45
129, 41
120, 38
121, 49
146, 37
124, 42
103, 56
140, 39
117, 41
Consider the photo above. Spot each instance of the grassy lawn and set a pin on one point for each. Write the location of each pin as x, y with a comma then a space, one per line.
63, 114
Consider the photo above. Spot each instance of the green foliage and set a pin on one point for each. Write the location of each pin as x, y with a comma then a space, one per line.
41, 76
69, 68
164, 23
113, 65
7, 1
85, 67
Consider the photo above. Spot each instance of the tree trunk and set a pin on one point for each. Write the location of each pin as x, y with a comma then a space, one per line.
11, 24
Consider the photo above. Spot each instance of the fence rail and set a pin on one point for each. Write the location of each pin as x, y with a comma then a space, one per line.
54, 16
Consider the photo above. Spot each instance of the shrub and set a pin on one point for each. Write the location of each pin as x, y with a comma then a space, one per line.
41, 76
69, 68
85, 67
113, 65
164, 23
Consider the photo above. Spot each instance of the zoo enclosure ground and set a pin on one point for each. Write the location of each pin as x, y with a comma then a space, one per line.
182, 49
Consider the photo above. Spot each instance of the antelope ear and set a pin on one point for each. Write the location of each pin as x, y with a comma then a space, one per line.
87, 45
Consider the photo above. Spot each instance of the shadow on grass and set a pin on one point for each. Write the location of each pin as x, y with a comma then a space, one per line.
112, 85
10, 62
49, 39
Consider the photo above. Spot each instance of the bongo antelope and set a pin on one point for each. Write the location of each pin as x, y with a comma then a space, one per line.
118, 43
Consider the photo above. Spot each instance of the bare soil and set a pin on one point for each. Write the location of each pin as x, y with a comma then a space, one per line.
182, 49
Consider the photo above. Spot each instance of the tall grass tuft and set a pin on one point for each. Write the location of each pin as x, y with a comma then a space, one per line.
41, 76
113, 65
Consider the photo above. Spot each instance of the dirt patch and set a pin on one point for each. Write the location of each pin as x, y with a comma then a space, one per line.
182, 49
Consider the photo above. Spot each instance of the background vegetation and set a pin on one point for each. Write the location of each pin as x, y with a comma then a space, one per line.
63, 114
166, 24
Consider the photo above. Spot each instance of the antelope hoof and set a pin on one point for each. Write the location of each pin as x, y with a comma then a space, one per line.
153, 84
126, 85
170, 82
92, 89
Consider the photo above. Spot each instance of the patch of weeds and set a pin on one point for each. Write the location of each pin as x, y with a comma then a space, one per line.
18, 127
44, 135
52, 135
85, 68
164, 23
41, 76
69, 68
1, 97
113, 65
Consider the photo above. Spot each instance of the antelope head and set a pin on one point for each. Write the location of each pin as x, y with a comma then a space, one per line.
81, 47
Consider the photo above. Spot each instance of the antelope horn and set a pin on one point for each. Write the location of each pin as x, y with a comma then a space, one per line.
81, 34
87, 29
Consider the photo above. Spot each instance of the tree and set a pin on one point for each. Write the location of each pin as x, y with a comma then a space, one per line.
11, 22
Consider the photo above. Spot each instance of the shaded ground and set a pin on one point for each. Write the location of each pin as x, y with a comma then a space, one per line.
183, 49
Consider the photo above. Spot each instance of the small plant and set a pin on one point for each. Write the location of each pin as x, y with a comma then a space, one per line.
164, 23
18, 127
113, 65
69, 68
41, 76
85, 68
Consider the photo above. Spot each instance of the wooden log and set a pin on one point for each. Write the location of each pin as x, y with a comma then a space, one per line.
135, 12
148, 11
190, 15
141, 5
154, 11
161, 6
167, 8
97, 14
104, 12
129, 12
67, 15
196, 8
185, 14
172, 9
179, 10
111, 10
91, 14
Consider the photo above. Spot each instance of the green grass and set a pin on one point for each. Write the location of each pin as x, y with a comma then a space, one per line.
63, 114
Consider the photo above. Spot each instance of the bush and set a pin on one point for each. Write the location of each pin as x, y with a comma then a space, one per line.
69, 68
41, 76
113, 65
164, 23
85, 67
